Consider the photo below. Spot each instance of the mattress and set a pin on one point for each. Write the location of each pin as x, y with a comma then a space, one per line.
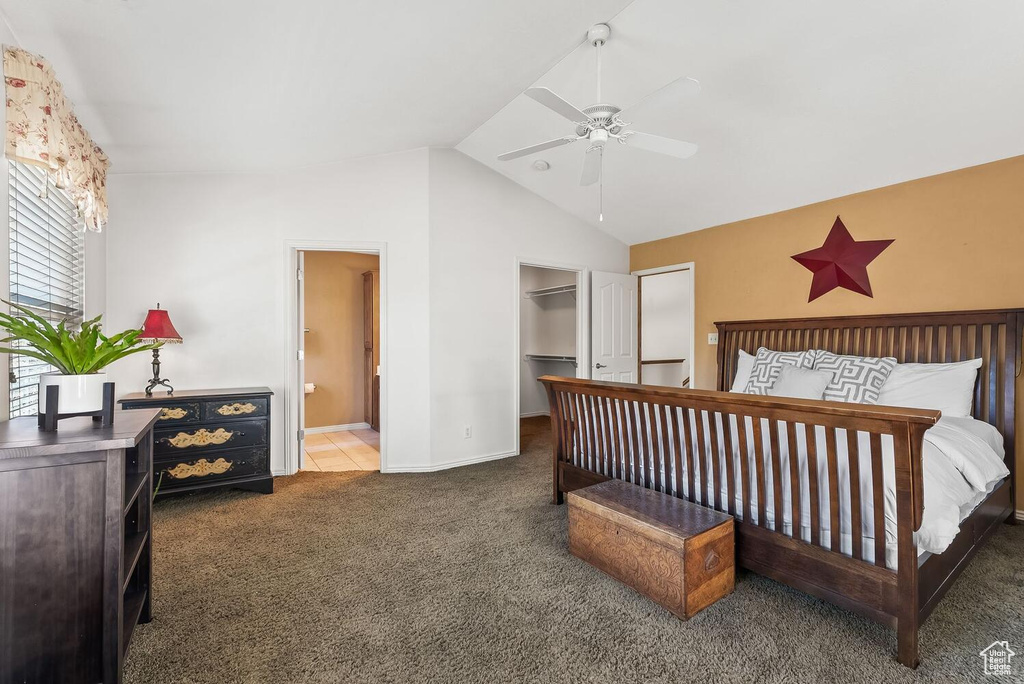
962, 463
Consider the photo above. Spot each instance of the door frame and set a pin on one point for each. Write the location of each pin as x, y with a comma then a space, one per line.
293, 391
686, 266
582, 325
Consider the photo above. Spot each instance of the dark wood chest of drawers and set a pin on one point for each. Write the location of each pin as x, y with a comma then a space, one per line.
210, 438
75, 546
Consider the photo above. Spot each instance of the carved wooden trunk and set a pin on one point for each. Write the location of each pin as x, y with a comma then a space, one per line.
678, 554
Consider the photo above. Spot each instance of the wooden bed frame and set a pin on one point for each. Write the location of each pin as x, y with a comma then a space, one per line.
596, 426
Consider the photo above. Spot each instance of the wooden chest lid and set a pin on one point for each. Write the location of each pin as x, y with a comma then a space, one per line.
666, 514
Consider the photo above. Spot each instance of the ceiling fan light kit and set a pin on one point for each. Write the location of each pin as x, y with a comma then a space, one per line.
602, 122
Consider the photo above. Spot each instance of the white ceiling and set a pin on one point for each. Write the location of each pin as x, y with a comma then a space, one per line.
801, 101
252, 85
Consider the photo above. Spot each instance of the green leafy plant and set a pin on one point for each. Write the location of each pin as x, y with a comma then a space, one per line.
71, 352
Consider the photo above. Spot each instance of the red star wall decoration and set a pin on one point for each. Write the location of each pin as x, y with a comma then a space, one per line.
841, 262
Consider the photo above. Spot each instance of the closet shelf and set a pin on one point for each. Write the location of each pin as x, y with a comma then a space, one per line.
546, 291
551, 357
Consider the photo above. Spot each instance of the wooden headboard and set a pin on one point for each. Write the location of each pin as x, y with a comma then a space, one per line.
994, 336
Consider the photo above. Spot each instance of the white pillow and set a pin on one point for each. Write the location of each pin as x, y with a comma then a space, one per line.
744, 364
947, 387
800, 383
768, 364
855, 379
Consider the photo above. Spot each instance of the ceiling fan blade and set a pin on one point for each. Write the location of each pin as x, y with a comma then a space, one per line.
681, 87
540, 147
656, 143
592, 162
557, 104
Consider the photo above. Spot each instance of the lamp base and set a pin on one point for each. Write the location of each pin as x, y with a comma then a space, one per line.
157, 380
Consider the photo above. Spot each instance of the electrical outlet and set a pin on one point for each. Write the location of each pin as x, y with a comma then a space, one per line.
712, 338
467, 432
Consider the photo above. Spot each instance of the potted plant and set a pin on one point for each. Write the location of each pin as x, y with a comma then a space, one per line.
78, 356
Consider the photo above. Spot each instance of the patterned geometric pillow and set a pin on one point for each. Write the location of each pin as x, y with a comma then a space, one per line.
855, 379
768, 365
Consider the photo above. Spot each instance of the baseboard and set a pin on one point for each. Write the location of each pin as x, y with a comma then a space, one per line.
1020, 516
535, 414
434, 467
337, 428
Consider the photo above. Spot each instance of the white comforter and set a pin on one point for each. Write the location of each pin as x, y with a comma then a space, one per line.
962, 463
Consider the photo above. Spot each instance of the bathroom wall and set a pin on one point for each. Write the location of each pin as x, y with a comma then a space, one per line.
334, 343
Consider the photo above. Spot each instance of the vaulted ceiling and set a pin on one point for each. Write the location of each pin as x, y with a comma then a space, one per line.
801, 101
253, 85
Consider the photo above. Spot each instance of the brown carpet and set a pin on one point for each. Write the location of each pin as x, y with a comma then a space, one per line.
463, 576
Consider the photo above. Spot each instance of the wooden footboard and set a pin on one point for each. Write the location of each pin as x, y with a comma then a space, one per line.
676, 441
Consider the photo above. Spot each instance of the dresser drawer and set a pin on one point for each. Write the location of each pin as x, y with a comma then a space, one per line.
249, 407
225, 465
172, 413
233, 434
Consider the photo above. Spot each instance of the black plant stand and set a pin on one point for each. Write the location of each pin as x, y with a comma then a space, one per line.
105, 416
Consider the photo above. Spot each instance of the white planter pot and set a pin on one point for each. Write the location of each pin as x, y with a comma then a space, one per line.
78, 393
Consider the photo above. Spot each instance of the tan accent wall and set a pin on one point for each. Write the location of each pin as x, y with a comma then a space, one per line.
959, 245
334, 343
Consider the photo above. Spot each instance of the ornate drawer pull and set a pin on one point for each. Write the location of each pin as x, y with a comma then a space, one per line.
202, 468
236, 409
172, 413
201, 437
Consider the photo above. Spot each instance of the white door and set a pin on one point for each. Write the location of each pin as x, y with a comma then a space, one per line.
301, 355
613, 331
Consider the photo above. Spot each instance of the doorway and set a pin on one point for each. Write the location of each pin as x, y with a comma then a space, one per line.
336, 396
552, 321
666, 325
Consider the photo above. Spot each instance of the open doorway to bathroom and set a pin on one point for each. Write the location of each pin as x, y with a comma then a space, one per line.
339, 358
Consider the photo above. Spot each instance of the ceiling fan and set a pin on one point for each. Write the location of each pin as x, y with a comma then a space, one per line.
599, 123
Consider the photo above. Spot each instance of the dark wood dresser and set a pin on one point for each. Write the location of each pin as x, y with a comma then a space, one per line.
75, 546
210, 438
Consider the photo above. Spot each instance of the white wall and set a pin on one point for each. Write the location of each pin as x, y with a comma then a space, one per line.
547, 325
211, 249
479, 223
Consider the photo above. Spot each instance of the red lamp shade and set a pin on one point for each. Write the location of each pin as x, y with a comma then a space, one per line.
158, 326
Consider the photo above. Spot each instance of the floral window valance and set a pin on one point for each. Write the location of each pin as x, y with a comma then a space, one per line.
42, 129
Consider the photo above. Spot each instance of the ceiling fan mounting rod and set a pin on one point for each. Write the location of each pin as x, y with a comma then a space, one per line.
598, 35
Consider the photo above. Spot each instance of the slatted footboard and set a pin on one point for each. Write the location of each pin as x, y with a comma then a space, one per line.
754, 457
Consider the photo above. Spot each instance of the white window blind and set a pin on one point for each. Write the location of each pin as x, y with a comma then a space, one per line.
47, 261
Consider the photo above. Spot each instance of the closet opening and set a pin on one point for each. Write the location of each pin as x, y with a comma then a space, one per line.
339, 360
666, 325
551, 315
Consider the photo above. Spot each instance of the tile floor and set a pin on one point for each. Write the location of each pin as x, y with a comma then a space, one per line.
347, 450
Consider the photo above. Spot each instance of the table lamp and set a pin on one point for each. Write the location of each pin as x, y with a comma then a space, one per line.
158, 328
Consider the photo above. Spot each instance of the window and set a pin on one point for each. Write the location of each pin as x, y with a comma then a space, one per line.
47, 267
